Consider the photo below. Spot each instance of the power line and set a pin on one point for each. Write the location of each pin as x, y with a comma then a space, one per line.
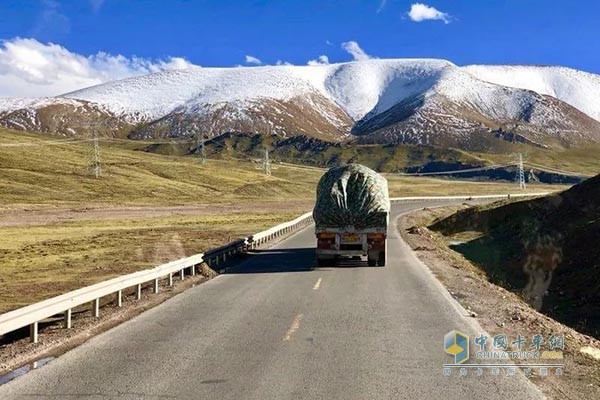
45, 143
76, 141
459, 171
556, 170
202, 155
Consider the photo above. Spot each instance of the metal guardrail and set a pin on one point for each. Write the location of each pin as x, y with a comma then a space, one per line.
64, 304
477, 197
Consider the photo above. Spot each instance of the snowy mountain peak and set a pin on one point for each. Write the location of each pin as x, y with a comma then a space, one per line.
428, 101
357, 87
577, 88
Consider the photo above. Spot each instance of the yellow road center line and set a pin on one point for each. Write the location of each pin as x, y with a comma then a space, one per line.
318, 284
293, 328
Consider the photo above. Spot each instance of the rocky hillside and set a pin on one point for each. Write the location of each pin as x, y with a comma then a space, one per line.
69, 117
449, 116
311, 115
322, 153
545, 248
413, 101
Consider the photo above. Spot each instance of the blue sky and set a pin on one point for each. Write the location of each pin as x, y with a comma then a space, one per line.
223, 33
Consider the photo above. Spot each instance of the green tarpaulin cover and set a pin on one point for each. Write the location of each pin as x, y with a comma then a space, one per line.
352, 196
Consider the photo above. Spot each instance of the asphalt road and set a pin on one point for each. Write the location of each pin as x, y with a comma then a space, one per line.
275, 328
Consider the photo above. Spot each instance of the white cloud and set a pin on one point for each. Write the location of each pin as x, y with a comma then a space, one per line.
355, 51
321, 60
253, 60
422, 12
29, 68
382, 4
280, 62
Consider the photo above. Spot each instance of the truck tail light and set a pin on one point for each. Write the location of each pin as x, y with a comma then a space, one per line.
326, 244
376, 241
326, 241
326, 236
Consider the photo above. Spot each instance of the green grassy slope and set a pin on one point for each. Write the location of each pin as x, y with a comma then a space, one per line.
384, 158
308, 151
53, 174
46, 174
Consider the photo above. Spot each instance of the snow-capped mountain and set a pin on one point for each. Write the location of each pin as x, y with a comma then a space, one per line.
356, 87
577, 88
405, 100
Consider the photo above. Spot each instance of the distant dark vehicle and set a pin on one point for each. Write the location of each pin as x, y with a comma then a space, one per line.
351, 215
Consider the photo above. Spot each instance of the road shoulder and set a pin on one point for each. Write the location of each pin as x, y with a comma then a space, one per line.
17, 352
498, 310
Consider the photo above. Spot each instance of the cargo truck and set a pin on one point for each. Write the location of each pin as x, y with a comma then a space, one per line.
351, 215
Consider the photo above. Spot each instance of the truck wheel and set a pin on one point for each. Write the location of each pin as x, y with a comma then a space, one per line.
381, 261
371, 262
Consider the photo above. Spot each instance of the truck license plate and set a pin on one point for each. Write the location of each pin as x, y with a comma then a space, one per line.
350, 238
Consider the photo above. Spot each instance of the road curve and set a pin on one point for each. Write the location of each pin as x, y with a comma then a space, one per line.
276, 328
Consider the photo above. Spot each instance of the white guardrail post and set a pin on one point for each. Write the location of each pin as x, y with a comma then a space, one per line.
64, 304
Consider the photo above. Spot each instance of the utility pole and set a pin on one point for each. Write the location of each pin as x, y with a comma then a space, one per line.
201, 150
97, 166
266, 164
93, 160
521, 173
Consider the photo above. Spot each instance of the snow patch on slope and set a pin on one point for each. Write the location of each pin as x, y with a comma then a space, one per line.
373, 86
577, 88
494, 101
357, 87
12, 104
156, 95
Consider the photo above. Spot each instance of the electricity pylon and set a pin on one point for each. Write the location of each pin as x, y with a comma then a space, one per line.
200, 149
521, 172
93, 160
532, 176
266, 166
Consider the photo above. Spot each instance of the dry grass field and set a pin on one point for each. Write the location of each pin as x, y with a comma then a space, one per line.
61, 228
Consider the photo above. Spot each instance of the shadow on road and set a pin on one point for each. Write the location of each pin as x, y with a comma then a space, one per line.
275, 260
350, 263
285, 260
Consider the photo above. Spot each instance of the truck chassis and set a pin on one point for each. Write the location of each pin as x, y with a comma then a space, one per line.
333, 244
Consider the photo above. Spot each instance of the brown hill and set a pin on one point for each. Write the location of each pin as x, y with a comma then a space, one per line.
546, 248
